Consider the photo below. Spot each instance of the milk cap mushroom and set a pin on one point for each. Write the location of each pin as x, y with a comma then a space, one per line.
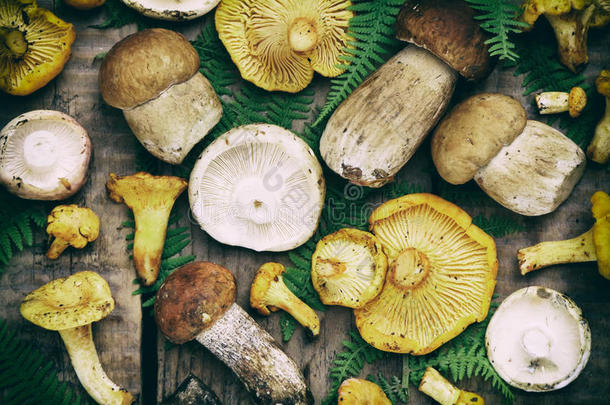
348, 268
278, 44
172, 10
44, 155
197, 302
153, 76
70, 305
258, 186
34, 46
538, 339
441, 275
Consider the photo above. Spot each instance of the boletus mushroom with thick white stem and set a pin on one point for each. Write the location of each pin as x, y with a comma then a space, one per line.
538, 339
153, 76
525, 165
197, 302
377, 129
258, 186
70, 305
44, 155
172, 10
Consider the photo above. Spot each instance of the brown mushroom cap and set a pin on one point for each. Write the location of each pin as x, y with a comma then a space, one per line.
140, 66
192, 298
473, 133
446, 28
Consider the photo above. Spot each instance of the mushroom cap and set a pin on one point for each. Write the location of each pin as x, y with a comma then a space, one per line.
142, 65
355, 391
47, 43
348, 268
69, 302
538, 340
473, 132
277, 44
448, 29
76, 225
192, 298
602, 83
577, 101
441, 276
266, 276
532, 9
172, 10
143, 190
601, 231
258, 186
44, 155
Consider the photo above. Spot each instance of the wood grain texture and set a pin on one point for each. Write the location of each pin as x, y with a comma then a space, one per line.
118, 337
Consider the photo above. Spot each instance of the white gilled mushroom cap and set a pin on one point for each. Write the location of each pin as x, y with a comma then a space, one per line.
258, 186
44, 155
172, 10
538, 339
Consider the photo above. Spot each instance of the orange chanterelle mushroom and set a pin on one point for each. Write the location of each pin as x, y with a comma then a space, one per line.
441, 275
277, 44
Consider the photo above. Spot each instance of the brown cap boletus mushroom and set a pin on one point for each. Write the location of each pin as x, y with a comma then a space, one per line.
526, 166
197, 302
153, 76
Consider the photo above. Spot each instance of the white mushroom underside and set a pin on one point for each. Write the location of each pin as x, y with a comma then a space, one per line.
172, 10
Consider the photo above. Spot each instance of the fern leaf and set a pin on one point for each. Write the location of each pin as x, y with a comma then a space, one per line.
288, 325
498, 225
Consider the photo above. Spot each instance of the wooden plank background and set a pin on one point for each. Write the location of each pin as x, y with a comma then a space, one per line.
119, 338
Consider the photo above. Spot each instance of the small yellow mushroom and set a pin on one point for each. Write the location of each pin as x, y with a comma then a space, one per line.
442, 391
554, 102
71, 225
355, 391
599, 148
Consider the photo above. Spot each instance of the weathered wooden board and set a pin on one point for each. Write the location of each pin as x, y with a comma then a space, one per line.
119, 337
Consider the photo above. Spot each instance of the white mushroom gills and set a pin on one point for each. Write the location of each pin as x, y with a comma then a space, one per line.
538, 340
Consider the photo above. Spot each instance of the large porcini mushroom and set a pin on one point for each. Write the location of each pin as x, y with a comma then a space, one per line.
599, 148
258, 186
197, 302
348, 268
526, 166
153, 76
593, 245
441, 276
278, 44
44, 155
269, 293
151, 199
172, 10
442, 391
34, 46
355, 391
538, 339
71, 225
70, 305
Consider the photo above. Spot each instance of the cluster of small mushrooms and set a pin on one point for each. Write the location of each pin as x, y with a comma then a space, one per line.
421, 275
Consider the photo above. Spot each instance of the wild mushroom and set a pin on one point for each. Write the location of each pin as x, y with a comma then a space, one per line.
70, 305
570, 20
538, 339
554, 102
355, 391
151, 199
599, 148
258, 186
71, 225
593, 245
442, 391
192, 392
348, 268
278, 44
34, 46
526, 166
153, 77
269, 293
84, 4
172, 10
377, 129
441, 276
44, 155
197, 302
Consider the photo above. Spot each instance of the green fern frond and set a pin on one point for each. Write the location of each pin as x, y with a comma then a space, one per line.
288, 326
498, 225
27, 377
395, 390
372, 28
499, 18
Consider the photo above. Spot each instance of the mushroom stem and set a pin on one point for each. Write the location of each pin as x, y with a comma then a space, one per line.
151, 227
544, 254
57, 247
268, 373
86, 363
571, 32
554, 102
442, 391
299, 311
15, 42
599, 148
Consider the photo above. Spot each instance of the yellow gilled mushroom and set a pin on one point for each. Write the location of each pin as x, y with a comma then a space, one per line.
71, 225
278, 44
34, 46
355, 391
70, 305
348, 268
441, 276
442, 391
